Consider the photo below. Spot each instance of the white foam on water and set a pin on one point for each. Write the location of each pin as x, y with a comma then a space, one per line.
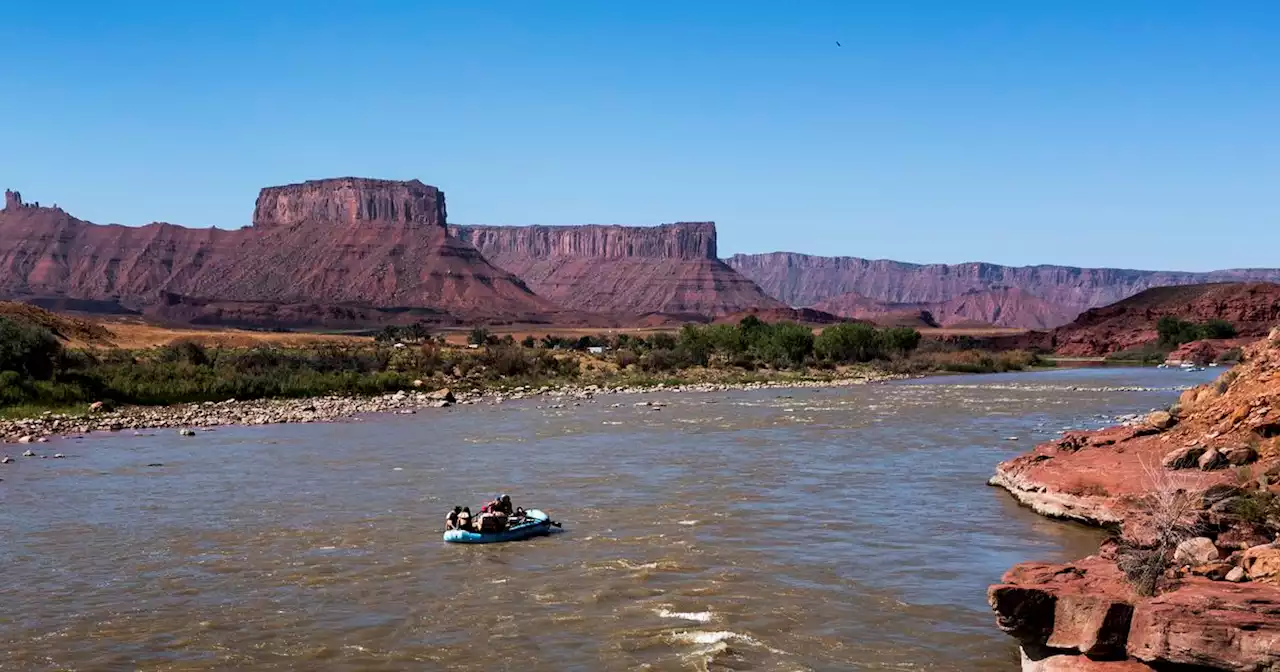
718, 640
699, 616
712, 637
687, 522
498, 581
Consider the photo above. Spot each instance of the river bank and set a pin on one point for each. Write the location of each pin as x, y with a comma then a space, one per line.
40, 427
1191, 577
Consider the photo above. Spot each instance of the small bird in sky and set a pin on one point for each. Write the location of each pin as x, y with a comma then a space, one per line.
838, 43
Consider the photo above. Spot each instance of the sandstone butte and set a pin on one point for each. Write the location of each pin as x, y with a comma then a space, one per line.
671, 268
1218, 606
346, 241
351, 251
1047, 296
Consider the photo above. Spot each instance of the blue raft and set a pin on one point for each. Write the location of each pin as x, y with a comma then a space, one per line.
534, 524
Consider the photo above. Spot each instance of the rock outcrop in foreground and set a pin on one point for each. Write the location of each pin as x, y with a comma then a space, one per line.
670, 268
808, 280
377, 244
1192, 582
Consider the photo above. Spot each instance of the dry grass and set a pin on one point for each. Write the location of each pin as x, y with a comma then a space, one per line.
134, 334
458, 335
75, 332
930, 332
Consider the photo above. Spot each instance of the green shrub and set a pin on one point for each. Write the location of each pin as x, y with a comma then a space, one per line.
1173, 331
1217, 328
661, 359
31, 351
480, 336
850, 342
785, 344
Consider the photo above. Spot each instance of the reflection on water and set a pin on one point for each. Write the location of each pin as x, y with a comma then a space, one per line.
815, 529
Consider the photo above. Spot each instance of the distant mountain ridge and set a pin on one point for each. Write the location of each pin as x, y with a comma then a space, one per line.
1060, 292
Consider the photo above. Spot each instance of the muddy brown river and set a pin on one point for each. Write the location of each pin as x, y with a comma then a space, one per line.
839, 529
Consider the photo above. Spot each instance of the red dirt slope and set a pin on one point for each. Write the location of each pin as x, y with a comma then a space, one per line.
1253, 308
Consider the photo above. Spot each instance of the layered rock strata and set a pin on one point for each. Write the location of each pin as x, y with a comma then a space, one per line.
379, 244
671, 268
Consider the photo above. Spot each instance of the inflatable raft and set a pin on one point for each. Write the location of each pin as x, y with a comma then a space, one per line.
534, 524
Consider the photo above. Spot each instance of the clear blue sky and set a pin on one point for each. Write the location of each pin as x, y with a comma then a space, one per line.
1142, 133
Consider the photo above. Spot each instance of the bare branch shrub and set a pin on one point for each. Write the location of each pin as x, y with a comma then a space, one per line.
1169, 516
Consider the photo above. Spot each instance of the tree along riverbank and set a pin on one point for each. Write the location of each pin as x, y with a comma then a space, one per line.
38, 374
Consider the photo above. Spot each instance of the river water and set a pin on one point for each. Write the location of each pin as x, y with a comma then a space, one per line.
836, 529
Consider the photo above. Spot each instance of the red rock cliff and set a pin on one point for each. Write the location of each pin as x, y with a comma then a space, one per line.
670, 268
683, 240
806, 280
1001, 306
376, 243
351, 202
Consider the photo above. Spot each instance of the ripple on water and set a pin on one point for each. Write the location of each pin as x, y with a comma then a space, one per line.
692, 539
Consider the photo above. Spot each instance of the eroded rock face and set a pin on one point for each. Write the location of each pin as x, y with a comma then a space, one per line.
1215, 624
1087, 607
348, 242
670, 268
806, 280
351, 202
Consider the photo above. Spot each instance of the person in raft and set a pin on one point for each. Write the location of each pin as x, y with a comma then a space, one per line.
451, 520
464, 520
496, 514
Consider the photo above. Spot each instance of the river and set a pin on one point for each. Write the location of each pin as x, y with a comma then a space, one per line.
814, 529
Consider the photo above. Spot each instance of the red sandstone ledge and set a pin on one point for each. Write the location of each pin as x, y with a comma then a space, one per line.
1218, 605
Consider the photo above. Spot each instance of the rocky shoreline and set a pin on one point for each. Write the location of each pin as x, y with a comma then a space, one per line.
186, 417
1191, 579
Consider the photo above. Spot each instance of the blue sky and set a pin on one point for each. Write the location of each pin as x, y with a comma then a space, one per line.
1138, 134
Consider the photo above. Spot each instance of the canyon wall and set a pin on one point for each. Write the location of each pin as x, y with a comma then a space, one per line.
670, 268
1000, 306
376, 243
807, 280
